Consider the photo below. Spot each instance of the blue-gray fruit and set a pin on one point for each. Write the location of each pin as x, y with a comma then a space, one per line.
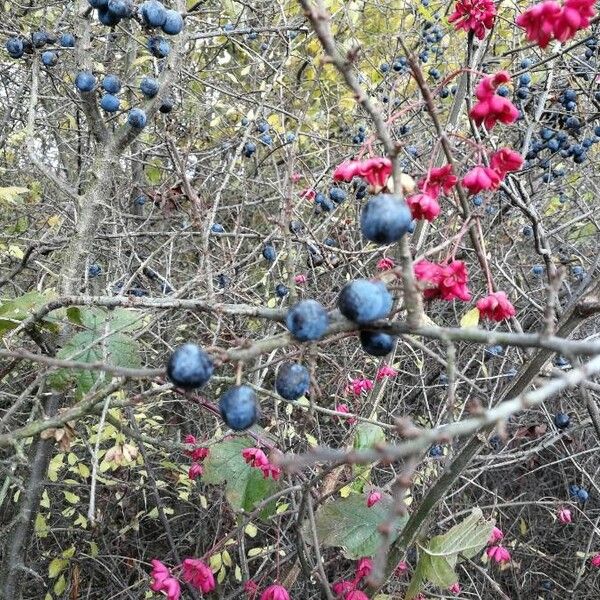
377, 343
364, 301
292, 381
239, 408
189, 367
385, 219
307, 320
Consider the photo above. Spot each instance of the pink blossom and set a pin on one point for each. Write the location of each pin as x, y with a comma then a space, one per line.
255, 457
538, 22
300, 279
199, 454
496, 307
401, 568
251, 588
491, 107
473, 15
574, 16
358, 386
455, 588
498, 554
190, 439
342, 587
386, 371
480, 179
343, 408
308, 194
447, 281
423, 206
564, 516
376, 171
438, 180
356, 595
275, 592
385, 264
270, 470
373, 498
346, 171
296, 177
195, 471
198, 574
163, 581
364, 568
496, 536
595, 560
506, 160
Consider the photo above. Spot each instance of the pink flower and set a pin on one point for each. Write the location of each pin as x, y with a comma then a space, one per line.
473, 15
251, 588
496, 307
163, 581
190, 439
498, 554
308, 193
423, 206
199, 454
538, 22
376, 171
356, 595
491, 107
342, 587
255, 457
401, 568
595, 560
447, 281
300, 279
385, 264
506, 160
198, 574
195, 471
343, 408
346, 171
564, 516
386, 371
364, 568
373, 498
455, 588
270, 470
481, 178
496, 535
275, 592
358, 386
296, 177
438, 180
574, 16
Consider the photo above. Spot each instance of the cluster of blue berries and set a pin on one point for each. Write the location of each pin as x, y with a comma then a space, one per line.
17, 46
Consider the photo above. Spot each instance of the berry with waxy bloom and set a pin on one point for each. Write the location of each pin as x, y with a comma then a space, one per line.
496, 536
438, 180
498, 554
373, 498
275, 592
195, 471
480, 179
564, 516
538, 22
198, 575
163, 581
447, 281
474, 15
386, 371
423, 206
385, 264
505, 161
364, 567
496, 307
574, 16
255, 457
342, 587
595, 560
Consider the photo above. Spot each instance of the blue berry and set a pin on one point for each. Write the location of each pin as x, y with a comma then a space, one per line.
537, 270
166, 106
110, 103
137, 118
434, 73
561, 362
49, 58
249, 149
85, 81
436, 451
141, 200
262, 127
108, 18
384, 67
330, 242
582, 496
572, 123
269, 253
573, 490
364, 301
217, 228
385, 219
526, 63
67, 40
266, 139
111, 84
98, 3
523, 93
562, 420
496, 350
153, 13
477, 200
14, 46
149, 87
39, 39
121, 8
337, 194
158, 46
138, 292
292, 381
524, 80
281, 290
94, 270
307, 320
502, 91
290, 137
223, 280
189, 367
324, 202
577, 271
239, 408
173, 23
377, 343
569, 95
228, 27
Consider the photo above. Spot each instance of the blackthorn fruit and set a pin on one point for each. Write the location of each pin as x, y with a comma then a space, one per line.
307, 320
364, 301
239, 408
292, 381
189, 367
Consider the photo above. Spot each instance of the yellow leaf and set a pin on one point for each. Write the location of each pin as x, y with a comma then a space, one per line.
69, 552
15, 252
83, 470
221, 575
245, 71
10, 194
93, 549
215, 562
523, 527
45, 502
57, 565
272, 302
345, 491
238, 573
251, 530
60, 586
255, 552
203, 502
40, 526
54, 221
281, 508
226, 558
312, 441
470, 318
71, 497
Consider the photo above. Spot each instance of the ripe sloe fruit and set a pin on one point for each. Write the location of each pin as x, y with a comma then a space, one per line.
377, 343
385, 219
292, 381
189, 367
307, 320
363, 301
239, 408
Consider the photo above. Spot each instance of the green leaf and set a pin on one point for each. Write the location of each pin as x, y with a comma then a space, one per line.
10, 195
366, 436
245, 485
439, 571
56, 566
15, 310
350, 524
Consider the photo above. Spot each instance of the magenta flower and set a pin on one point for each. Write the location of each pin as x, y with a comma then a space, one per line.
438, 180
373, 498
198, 574
364, 568
199, 454
386, 371
474, 15
343, 408
275, 592
190, 439
480, 179
595, 560
496, 536
358, 386
356, 595
455, 588
538, 22
163, 581
401, 568
346, 171
446, 281
270, 470
296, 177
564, 516
574, 16
498, 554
423, 206
195, 471
385, 264
496, 307
308, 194
299, 279
491, 107
375, 171
255, 457
251, 588
342, 587
505, 161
